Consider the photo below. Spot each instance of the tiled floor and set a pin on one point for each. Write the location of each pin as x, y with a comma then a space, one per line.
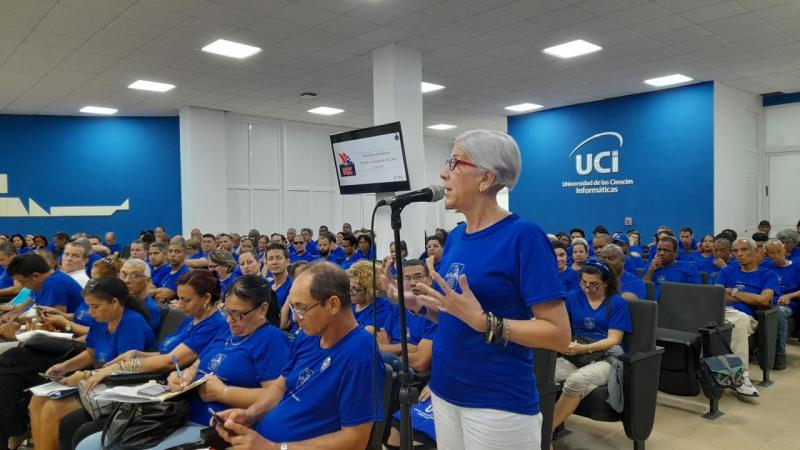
771, 421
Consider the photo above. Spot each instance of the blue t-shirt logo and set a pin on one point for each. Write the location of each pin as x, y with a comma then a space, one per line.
588, 323
661, 279
455, 271
740, 286
215, 362
325, 364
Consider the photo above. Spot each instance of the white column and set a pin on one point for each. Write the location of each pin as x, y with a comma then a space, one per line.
203, 183
396, 78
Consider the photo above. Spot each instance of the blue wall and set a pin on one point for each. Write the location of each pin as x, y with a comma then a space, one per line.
664, 144
89, 161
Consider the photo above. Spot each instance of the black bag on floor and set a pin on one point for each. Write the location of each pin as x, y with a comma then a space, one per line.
722, 371
133, 426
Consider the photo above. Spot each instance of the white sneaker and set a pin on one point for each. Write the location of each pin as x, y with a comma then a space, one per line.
747, 387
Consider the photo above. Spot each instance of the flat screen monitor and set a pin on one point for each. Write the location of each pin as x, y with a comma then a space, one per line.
371, 160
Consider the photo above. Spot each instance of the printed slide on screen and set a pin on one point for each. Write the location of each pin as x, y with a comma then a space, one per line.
376, 159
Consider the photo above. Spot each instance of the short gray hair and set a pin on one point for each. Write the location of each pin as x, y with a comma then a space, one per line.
774, 242
748, 241
223, 258
83, 243
494, 151
788, 235
139, 263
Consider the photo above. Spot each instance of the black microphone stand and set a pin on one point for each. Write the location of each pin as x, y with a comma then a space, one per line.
409, 394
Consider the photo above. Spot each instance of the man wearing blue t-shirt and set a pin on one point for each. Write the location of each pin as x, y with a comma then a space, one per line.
788, 297
631, 287
51, 288
567, 275
159, 267
308, 236
208, 243
176, 256
320, 399
114, 248
8, 288
790, 239
328, 250
664, 267
300, 252
136, 274
747, 287
688, 244
351, 255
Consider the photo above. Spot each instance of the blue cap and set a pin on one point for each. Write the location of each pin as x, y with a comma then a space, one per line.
620, 238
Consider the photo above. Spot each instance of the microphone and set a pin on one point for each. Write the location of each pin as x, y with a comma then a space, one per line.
432, 193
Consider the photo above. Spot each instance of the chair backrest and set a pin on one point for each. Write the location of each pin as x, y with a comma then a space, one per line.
704, 277
689, 307
651, 290
544, 365
171, 319
378, 429
644, 317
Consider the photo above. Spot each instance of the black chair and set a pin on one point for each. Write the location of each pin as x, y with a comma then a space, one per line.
126, 252
544, 368
764, 341
691, 324
171, 319
704, 277
376, 436
640, 378
651, 290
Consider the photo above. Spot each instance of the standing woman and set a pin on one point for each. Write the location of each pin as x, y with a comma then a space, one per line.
119, 326
497, 272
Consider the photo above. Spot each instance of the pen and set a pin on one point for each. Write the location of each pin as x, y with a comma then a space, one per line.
177, 368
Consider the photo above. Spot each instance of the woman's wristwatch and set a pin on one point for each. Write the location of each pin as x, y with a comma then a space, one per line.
284, 446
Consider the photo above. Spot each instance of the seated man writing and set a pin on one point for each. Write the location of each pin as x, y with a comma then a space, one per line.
320, 399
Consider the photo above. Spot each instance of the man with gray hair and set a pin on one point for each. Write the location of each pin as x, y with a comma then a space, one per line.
73, 260
631, 287
788, 304
135, 273
747, 287
790, 239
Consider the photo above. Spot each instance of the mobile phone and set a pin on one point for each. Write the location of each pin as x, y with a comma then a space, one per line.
216, 417
153, 391
51, 377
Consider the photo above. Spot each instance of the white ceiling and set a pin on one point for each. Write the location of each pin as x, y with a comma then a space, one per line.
59, 55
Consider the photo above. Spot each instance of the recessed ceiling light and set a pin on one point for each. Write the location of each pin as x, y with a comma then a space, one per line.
325, 110
523, 107
98, 110
430, 87
154, 86
572, 49
442, 126
230, 48
668, 80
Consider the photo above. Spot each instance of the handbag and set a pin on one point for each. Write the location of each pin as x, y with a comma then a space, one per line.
50, 344
133, 426
722, 372
584, 359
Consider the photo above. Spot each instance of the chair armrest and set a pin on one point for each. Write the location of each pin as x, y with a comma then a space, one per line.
632, 358
716, 340
766, 338
641, 371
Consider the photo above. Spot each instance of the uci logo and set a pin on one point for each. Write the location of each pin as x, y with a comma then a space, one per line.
603, 162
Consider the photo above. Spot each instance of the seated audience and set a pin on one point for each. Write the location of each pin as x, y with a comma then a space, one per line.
8, 287
760, 239
704, 258
301, 253
369, 309
665, 267
787, 298
580, 252
632, 263
176, 257
764, 227
366, 246
631, 287
240, 363
790, 239
120, 326
391, 256
139, 249
420, 331
308, 236
331, 362
351, 254
599, 319
434, 246
51, 288
159, 267
600, 240
208, 243
328, 250
421, 423
567, 275
688, 244
226, 242
251, 265
747, 287
114, 249
223, 264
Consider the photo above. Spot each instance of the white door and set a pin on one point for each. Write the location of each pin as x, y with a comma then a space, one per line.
750, 205
784, 190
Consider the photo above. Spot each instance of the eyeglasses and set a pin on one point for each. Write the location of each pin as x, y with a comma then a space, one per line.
453, 162
356, 290
300, 314
417, 277
234, 315
212, 266
591, 286
298, 242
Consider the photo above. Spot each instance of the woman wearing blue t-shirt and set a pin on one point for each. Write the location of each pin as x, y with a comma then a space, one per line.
120, 326
239, 363
223, 263
369, 309
580, 252
704, 258
484, 391
599, 318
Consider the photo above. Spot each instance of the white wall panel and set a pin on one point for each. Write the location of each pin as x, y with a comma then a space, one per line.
238, 210
298, 209
267, 211
782, 125
265, 155
236, 154
299, 170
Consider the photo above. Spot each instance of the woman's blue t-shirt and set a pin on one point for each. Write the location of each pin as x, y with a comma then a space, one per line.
381, 307
240, 361
170, 280
282, 293
327, 388
592, 323
195, 336
569, 279
132, 333
510, 267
